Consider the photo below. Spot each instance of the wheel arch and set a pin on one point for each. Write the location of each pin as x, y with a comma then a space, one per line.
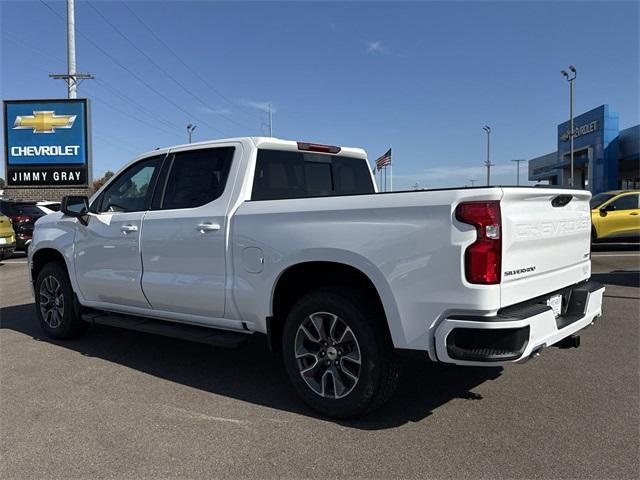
300, 278
42, 257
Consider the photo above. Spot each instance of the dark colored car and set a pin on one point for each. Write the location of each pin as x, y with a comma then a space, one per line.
23, 216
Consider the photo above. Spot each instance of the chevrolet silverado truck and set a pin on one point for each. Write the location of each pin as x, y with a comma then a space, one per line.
219, 241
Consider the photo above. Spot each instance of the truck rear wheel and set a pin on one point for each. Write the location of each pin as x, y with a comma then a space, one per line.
337, 354
54, 303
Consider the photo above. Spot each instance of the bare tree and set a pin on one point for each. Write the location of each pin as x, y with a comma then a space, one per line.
102, 180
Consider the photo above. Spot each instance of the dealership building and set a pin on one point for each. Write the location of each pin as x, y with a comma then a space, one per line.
604, 157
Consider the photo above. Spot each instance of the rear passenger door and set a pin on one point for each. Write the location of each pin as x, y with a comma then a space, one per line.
184, 234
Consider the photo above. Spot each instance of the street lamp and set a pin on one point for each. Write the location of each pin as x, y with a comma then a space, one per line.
190, 128
570, 78
488, 163
518, 161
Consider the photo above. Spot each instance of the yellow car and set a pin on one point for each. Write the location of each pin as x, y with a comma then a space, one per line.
7, 237
615, 216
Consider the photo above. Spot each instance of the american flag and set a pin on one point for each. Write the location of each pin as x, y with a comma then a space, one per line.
384, 160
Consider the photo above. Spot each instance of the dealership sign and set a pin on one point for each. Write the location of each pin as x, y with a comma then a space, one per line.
581, 130
46, 142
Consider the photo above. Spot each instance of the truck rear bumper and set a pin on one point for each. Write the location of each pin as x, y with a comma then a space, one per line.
516, 333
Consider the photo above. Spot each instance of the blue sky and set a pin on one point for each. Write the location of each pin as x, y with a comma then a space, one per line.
422, 77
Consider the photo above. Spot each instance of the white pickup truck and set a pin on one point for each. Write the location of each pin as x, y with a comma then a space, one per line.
217, 241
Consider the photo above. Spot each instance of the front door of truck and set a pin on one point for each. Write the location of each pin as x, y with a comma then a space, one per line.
184, 235
107, 250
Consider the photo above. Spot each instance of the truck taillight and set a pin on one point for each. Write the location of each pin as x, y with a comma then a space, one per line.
483, 258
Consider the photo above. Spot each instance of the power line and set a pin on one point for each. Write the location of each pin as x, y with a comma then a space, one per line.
135, 103
103, 84
185, 65
117, 145
133, 74
159, 67
107, 104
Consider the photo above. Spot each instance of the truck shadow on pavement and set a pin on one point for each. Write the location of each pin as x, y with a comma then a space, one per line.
251, 373
615, 247
622, 278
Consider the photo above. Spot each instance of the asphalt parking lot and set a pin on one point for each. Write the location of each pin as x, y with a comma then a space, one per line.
118, 404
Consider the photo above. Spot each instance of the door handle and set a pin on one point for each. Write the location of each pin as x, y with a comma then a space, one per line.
633, 213
128, 229
208, 227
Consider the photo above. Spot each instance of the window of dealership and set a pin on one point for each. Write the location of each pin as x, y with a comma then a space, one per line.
604, 157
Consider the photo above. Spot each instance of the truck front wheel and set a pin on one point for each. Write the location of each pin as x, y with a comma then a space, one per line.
337, 354
54, 303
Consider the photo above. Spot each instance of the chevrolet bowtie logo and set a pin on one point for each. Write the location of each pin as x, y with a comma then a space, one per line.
44, 121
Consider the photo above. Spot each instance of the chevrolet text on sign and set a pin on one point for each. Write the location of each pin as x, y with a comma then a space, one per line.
46, 142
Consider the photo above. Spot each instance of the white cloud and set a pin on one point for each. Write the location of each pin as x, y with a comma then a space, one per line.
215, 110
377, 48
460, 175
476, 172
262, 106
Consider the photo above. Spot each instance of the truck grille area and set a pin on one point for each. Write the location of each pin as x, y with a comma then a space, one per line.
481, 345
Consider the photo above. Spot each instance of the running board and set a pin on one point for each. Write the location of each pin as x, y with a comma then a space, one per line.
210, 336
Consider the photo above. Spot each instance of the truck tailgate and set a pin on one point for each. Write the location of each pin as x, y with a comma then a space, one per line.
546, 241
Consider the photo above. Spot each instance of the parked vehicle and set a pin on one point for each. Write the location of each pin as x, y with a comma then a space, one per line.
615, 216
222, 240
23, 216
48, 207
7, 237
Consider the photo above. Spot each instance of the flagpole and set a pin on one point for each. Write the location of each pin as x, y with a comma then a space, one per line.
391, 165
385, 178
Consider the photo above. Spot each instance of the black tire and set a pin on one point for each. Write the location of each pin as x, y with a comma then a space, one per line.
378, 371
66, 323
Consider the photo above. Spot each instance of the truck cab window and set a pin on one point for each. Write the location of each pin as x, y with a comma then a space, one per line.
287, 174
197, 177
131, 191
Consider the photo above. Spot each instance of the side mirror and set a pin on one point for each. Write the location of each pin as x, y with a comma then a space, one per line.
76, 206
609, 208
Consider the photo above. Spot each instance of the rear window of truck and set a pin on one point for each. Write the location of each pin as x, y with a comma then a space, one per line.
282, 174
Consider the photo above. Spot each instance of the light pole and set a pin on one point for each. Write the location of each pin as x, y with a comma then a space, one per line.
488, 163
190, 128
518, 161
570, 78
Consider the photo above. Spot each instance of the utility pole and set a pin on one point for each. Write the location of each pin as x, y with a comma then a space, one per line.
518, 161
487, 162
72, 77
190, 128
270, 121
473, 181
570, 78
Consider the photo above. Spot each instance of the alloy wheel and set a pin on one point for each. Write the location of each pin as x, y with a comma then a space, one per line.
328, 355
51, 301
